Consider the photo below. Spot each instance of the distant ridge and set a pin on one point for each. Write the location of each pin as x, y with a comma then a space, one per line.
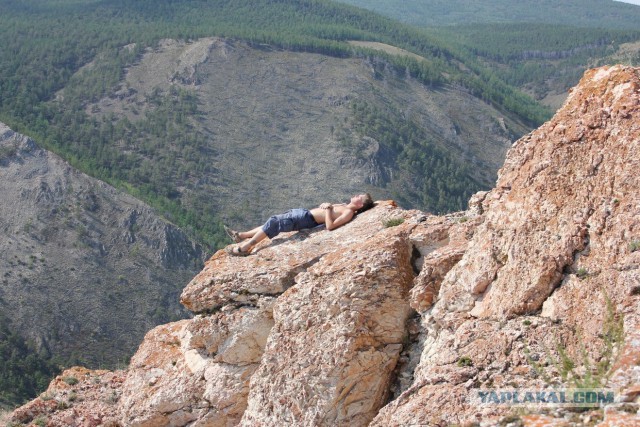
581, 13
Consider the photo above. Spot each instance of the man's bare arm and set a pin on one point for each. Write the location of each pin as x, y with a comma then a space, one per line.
331, 223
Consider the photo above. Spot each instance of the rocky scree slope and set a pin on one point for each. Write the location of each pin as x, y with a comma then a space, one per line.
403, 325
85, 269
272, 124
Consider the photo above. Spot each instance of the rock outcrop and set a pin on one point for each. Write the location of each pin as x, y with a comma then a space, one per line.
557, 241
402, 318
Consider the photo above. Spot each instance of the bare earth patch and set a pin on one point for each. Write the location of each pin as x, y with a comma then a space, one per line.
387, 48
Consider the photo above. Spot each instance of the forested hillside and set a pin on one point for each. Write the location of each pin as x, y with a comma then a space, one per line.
85, 270
46, 43
23, 371
542, 48
577, 13
228, 110
542, 59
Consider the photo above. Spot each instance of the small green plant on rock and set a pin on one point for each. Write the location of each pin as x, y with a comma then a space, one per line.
511, 421
582, 273
70, 380
582, 372
112, 399
46, 397
564, 363
465, 361
393, 222
634, 245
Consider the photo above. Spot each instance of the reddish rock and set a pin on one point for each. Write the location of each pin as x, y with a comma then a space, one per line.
555, 244
197, 370
408, 325
79, 397
337, 337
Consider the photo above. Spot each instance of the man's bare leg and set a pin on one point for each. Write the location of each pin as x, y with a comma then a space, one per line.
257, 237
249, 234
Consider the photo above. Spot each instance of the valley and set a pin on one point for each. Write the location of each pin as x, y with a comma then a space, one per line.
131, 131
86, 269
277, 127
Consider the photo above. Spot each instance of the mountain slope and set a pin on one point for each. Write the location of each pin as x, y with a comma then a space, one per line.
86, 269
582, 13
533, 292
544, 60
276, 128
78, 52
542, 48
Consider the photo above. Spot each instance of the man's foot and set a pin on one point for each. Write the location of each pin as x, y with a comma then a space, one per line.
233, 234
236, 251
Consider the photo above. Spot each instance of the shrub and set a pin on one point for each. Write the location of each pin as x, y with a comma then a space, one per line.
583, 373
465, 361
70, 380
112, 399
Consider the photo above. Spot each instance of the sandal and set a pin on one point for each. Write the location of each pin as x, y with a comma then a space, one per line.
233, 235
236, 251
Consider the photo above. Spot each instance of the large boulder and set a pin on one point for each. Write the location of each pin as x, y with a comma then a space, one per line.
402, 318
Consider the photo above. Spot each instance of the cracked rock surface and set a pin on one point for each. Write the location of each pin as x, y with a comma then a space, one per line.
406, 325
551, 262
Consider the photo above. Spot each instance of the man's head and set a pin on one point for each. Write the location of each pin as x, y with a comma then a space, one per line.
362, 202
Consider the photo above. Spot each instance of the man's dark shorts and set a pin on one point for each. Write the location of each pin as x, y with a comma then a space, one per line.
293, 220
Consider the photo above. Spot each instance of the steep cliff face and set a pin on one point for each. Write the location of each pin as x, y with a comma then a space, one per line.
405, 325
558, 239
86, 269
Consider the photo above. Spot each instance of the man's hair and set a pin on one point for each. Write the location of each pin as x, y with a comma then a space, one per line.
367, 203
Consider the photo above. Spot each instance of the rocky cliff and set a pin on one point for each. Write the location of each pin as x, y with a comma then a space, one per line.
85, 269
403, 318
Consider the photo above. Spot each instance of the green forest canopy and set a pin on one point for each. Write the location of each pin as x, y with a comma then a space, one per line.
577, 13
46, 42
543, 45
23, 371
544, 56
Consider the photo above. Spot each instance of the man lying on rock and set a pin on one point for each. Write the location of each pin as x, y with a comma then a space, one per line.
331, 215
